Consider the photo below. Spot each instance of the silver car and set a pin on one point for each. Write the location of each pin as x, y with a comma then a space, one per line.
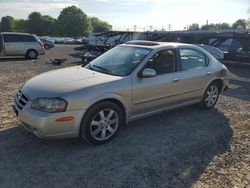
20, 44
130, 81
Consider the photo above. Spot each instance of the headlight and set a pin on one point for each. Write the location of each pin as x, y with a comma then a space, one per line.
49, 104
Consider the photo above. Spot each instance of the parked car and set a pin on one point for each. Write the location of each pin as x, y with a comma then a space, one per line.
90, 52
20, 44
47, 43
216, 52
130, 81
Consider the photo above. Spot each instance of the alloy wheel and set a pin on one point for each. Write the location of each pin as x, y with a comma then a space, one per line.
104, 124
32, 54
212, 95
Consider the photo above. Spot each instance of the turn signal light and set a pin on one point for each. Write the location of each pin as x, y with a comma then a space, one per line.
66, 118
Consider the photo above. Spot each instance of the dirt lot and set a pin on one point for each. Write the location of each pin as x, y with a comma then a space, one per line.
187, 147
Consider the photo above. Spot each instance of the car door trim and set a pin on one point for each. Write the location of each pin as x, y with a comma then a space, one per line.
155, 98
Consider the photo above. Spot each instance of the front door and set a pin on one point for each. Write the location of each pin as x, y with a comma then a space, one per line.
154, 93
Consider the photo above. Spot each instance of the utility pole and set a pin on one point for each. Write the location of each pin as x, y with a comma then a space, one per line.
134, 27
162, 29
150, 28
169, 27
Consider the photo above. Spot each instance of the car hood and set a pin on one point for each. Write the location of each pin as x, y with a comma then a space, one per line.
62, 81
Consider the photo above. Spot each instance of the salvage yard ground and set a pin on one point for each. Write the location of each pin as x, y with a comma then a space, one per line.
188, 147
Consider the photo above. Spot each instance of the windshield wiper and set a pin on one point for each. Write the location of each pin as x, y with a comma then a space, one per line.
101, 68
90, 66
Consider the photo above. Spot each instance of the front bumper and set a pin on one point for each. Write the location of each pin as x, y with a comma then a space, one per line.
44, 125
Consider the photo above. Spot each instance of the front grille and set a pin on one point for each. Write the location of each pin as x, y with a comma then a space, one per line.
20, 100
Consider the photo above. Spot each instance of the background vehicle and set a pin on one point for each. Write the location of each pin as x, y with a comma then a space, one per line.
90, 52
47, 43
128, 82
216, 52
20, 44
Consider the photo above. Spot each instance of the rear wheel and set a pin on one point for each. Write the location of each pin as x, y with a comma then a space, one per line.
210, 96
46, 46
31, 54
101, 122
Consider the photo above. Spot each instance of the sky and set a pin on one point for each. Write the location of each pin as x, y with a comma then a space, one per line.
125, 14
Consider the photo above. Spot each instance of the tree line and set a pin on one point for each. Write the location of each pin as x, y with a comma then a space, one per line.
239, 24
72, 22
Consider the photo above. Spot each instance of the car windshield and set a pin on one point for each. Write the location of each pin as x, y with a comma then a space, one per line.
119, 61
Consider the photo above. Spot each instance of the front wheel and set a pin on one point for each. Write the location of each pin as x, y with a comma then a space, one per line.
210, 96
101, 122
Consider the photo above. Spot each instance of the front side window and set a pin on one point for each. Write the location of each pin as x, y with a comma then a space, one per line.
13, 38
119, 61
163, 62
192, 59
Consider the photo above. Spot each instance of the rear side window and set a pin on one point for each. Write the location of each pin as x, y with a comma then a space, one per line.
13, 38
29, 38
192, 59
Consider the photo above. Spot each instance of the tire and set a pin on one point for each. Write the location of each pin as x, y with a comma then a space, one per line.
211, 95
101, 122
31, 54
46, 46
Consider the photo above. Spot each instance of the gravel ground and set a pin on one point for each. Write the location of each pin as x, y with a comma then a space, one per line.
187, 147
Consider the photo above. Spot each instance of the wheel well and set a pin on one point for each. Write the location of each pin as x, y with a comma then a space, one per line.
30, 50
219, 82
118, 103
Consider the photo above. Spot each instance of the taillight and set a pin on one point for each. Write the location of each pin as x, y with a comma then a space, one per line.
41, 44
223, 72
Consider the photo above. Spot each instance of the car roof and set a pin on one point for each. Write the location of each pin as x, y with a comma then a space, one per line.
16, 33
155, 44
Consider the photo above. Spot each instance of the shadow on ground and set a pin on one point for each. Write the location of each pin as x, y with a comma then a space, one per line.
239, 85
10, 59
168, 150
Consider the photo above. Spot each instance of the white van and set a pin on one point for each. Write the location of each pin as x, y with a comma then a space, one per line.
20, 44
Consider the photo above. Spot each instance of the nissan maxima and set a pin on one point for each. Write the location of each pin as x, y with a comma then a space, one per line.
128, 82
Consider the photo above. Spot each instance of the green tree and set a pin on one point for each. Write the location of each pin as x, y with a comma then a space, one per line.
223, 26
20, 25
209, 27
99, 25
49, 25
7, 23
41, 25
73, 22
239, 24
194, 27
34, 23
248, 20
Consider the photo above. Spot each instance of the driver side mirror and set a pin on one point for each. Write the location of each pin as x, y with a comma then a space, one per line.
147, 73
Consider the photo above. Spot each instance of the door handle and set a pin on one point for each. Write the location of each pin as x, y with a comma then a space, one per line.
176, 80
208, 73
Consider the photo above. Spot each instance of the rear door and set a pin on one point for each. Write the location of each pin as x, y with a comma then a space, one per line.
30, 42
13, 44
193, 75
1, 45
